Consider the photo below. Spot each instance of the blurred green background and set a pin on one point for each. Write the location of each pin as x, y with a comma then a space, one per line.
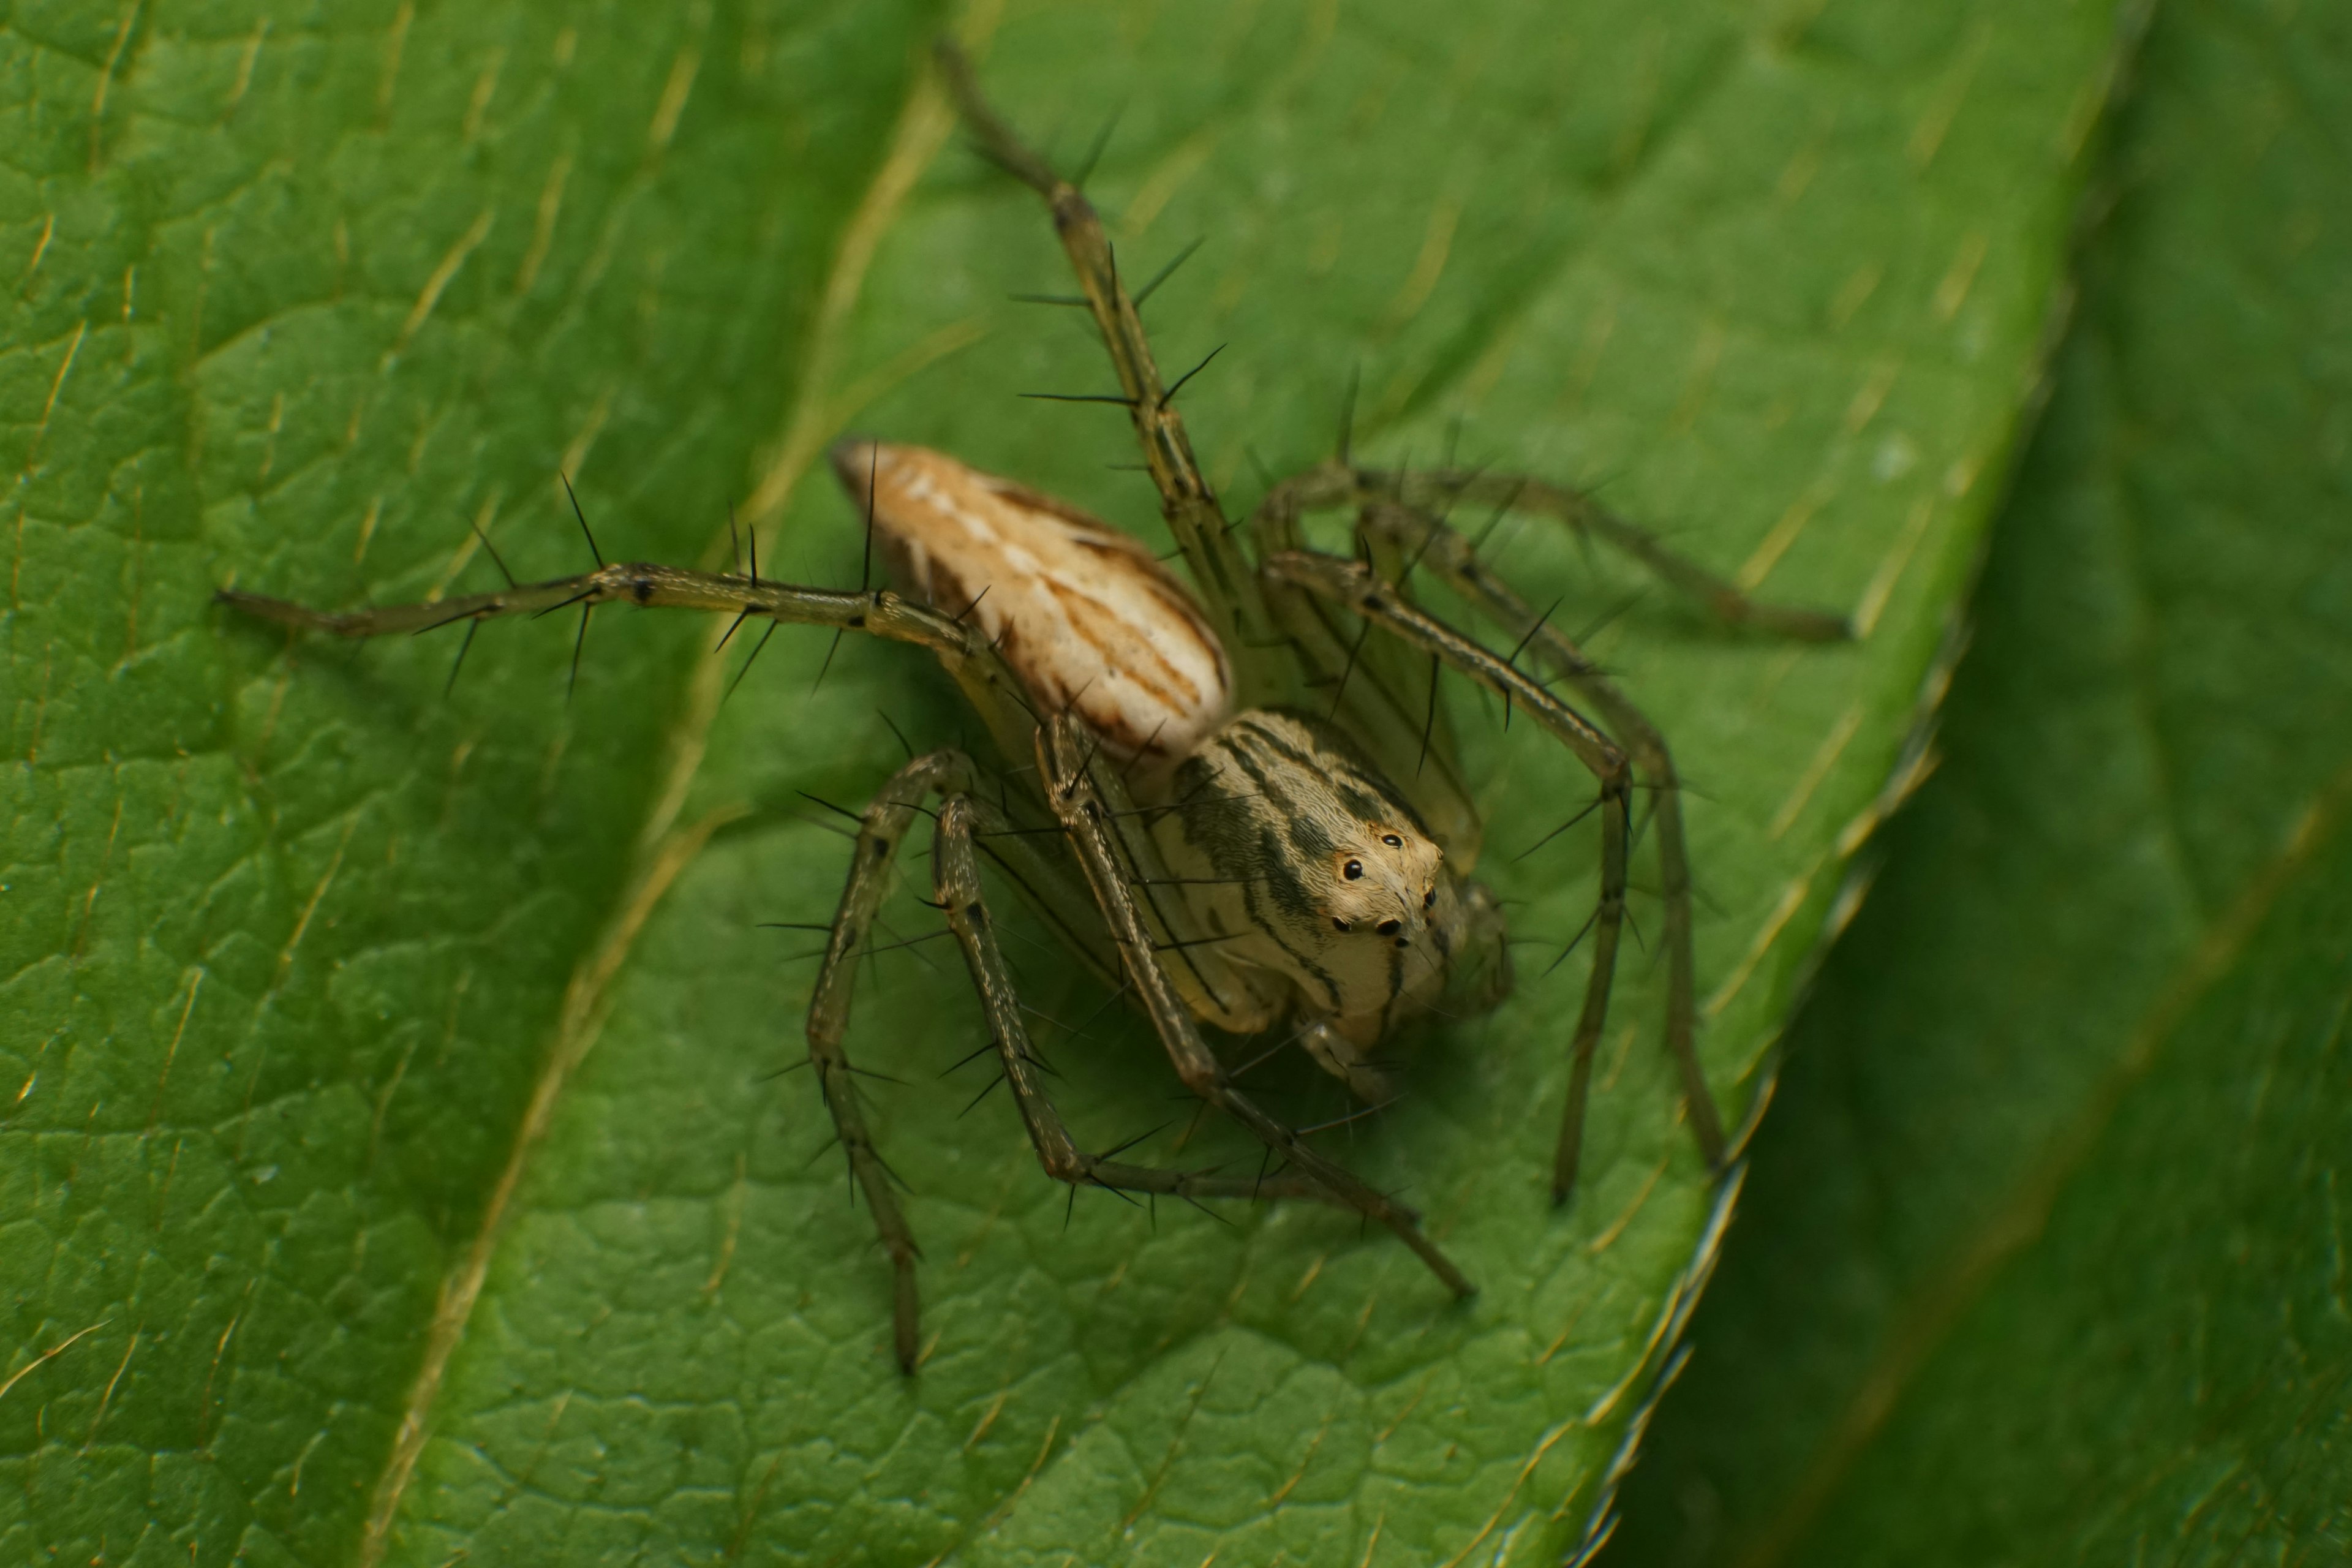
392, 1165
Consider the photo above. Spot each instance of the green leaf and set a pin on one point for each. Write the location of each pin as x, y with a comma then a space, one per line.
2044, 1254
392, 1162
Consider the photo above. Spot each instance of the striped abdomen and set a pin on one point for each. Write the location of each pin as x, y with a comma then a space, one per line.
1082, 613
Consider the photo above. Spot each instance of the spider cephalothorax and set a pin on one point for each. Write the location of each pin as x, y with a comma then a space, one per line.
1227, 853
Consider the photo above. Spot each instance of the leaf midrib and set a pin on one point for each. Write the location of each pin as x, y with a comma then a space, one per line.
663, 849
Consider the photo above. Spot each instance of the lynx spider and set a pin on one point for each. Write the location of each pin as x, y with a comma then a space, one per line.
1236, 862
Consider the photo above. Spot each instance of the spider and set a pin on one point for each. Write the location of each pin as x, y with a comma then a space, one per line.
1217, 828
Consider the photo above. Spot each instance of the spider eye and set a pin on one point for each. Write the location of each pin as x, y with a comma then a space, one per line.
1428, 900
1352, 869
1336, 921
1388, 928
1392, 841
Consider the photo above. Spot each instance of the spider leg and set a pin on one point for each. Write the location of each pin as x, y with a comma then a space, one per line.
1087, 796
1381, 701
881, 829
1434, 491
1451, 557
1354, 585
962, 648
1219, 570
958, 889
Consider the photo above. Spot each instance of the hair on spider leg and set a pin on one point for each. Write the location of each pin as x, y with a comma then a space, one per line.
969, 1057
579, 643
830, 649
1571, 822
756, 649
870, 951
1106, 1004
1198, 941
857, 817
1350, 1119
1021, 832
1085, 168
1521, 645
1478, 545
720, 646
968, 609
586, 531
1270, 1052
536, 614
1340, 692
1264, 1160
1041, 1013
1607, 618
1165, 273
1429, 719
973, 1103
1120, 398
1177, 386
1573, 942
1633, 930
834, 829
892, 725
1129, 1199
498, 560
1640, 824
1149, 742
458, 663
1114, 1152
903, 1186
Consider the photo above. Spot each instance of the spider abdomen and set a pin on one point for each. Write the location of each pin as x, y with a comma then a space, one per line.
1083, 614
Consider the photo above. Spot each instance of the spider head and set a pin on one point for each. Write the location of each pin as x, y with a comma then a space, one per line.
1386, 880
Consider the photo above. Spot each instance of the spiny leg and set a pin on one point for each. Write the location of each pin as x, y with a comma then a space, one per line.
1384, 712
956, 883
882, 613
1085, 795
881, 829
966, 653
1335, 484
1450, 558
1354, 585
1199, 523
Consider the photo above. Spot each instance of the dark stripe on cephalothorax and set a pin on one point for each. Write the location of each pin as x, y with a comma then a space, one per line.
1279, 869
1273, 930
1353, 779
1310, 840
1292, 810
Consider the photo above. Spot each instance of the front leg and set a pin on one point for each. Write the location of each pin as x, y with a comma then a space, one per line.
1353, 585
1084, 794
883, 828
